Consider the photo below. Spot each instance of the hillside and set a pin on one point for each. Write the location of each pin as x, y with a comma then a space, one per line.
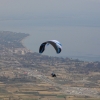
24, 73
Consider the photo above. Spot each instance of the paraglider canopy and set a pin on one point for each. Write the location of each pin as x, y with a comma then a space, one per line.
56, 44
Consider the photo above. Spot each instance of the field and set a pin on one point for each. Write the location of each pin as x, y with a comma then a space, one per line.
33, 88
35, 92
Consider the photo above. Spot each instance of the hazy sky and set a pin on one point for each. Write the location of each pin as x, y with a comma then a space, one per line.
78, 12
76, 23
39, 7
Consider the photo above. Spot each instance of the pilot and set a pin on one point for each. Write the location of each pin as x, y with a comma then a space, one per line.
53, 75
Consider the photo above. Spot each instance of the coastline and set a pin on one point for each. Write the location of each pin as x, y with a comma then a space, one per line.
81, 58
22, 41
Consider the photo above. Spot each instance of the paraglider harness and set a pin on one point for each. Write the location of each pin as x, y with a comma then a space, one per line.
53, 75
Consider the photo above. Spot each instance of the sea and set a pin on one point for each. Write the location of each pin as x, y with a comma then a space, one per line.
78, 42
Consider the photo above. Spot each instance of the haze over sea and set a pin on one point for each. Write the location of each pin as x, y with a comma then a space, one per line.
78, 42
75, 23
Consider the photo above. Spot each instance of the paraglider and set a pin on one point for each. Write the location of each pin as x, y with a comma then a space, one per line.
53, 75
56, 44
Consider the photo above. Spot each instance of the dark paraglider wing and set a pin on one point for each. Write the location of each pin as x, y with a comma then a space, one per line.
42, 47
56, 44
